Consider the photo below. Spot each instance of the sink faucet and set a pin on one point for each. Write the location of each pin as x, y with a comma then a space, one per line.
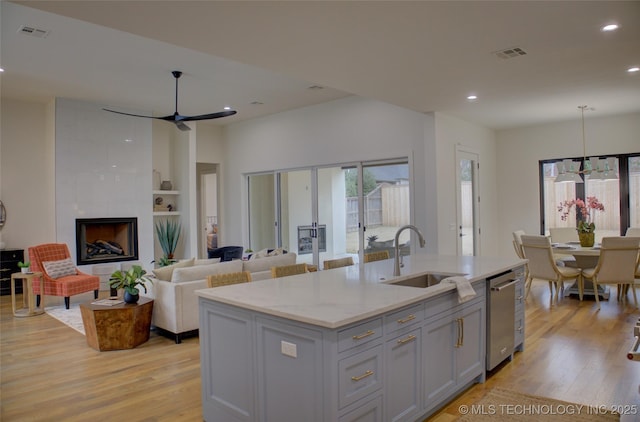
396, 267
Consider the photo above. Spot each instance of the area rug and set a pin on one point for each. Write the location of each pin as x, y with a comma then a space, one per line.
507, 405
71, 317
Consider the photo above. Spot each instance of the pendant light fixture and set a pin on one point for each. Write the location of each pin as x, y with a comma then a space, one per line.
595, 167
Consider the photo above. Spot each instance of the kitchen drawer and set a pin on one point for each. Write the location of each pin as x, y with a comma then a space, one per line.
360, 334
359, 375
519, 295
406, 317
371, 411
519, 329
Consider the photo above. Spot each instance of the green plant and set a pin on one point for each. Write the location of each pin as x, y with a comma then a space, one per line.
25, 264
130, 280
168, 232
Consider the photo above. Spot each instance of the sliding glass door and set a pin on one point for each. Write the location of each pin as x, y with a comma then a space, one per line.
322, 213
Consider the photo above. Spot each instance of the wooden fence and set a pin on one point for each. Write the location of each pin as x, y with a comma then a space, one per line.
386, 205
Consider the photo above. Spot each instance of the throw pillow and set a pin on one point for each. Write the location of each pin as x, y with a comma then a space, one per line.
165, 273
57, 269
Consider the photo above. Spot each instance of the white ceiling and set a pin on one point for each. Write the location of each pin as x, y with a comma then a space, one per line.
425, 56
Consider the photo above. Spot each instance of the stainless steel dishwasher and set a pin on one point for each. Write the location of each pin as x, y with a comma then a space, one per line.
500, 317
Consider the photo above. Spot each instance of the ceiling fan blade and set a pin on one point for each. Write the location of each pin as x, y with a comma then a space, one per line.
134, 115
207, 116
182, 126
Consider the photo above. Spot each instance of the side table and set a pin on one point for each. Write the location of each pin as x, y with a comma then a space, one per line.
117, 327
28, 298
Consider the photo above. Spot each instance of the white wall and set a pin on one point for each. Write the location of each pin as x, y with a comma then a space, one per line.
27, 185
346, 130
103, 169
519, 151
451, 131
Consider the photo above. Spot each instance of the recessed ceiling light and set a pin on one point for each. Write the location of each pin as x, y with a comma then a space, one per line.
226, 108
128, 140
472, 97
1, 70
256, 103
633, 69
609, 28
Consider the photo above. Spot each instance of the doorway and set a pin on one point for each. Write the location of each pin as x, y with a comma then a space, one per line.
468, 199
208, 224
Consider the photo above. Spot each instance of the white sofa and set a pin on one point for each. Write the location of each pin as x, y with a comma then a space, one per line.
175, 306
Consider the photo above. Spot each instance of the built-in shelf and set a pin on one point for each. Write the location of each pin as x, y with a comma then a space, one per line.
165, 213
160, 193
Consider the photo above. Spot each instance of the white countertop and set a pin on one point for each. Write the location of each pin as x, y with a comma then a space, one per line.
341, 296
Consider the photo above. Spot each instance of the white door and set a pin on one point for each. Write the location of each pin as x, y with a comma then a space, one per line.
467, 204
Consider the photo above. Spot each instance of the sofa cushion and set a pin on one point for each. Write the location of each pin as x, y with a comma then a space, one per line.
265, 264
165, 273
200, 272
206, 261
61, 268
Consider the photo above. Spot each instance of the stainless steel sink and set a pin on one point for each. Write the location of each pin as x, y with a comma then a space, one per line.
424, 280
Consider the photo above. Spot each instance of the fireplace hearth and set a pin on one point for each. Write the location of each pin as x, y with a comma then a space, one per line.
101, 240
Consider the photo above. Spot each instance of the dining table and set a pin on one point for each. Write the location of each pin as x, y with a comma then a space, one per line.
586, 257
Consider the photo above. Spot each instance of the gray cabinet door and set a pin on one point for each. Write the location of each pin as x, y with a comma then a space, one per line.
403, 376
439, 338
290, 376
226, 344
471, 351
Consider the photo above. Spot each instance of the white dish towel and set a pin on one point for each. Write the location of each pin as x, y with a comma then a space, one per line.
465, 290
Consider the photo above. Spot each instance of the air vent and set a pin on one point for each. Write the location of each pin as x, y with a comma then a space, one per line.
33, 31
510, 53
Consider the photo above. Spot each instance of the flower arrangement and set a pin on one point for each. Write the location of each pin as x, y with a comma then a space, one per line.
585, 224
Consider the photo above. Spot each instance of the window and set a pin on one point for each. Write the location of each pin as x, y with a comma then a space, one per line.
620, 197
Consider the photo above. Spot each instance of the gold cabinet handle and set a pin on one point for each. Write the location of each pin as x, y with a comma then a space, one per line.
407, 339
461, 332
459, 339
520, 328
361, 336
365, 375
411, 317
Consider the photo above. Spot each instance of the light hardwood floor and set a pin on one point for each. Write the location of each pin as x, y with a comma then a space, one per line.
48, 373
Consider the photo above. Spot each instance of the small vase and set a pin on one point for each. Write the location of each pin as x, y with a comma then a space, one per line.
587, 239
129, 298
166, 185
24, 270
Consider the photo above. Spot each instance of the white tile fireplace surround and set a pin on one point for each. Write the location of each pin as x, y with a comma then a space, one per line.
103, 169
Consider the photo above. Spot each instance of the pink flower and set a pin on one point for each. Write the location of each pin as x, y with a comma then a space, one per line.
585, 224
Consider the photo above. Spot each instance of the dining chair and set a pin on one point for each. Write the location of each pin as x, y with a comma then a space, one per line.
542, 265
564, 235
517, 246
617, 264
225, 279
376, 256
286, 270
337, 263
634, 232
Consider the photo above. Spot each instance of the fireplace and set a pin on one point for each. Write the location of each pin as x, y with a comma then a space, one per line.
101, 240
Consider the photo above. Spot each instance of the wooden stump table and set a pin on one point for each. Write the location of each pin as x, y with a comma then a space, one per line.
117, 327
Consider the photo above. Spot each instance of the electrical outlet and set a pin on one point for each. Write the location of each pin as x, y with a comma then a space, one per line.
289, 349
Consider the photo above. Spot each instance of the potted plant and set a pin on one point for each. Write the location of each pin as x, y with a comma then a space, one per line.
585, 224
24, 266
129, 281
168, 232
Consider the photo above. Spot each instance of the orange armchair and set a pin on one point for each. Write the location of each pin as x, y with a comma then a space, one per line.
64, 285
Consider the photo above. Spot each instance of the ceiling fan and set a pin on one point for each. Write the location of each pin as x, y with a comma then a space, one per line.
176, 117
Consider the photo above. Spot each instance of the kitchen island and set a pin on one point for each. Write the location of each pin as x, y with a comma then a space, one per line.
344, 344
